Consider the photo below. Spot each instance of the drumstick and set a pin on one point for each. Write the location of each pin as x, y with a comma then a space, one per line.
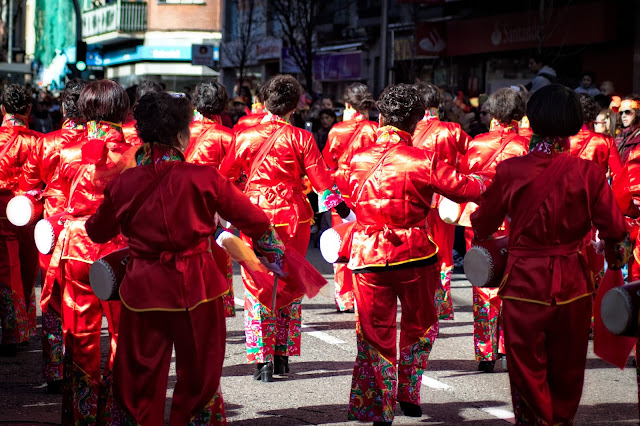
273, 296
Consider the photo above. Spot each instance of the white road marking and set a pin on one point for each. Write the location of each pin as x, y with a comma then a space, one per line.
239, 302
433, 383
41, 404
500, 413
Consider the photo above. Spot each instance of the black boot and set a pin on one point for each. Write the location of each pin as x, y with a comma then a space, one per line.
410, 410
264, 372
486, 366
9, 350
281, 365
54, 387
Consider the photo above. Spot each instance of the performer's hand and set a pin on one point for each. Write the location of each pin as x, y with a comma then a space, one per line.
270, 251
343, 210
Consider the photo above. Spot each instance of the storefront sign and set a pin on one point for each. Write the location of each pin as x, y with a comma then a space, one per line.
338, 66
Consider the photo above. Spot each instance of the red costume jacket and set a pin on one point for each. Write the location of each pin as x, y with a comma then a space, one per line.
343, 140
393, 201
546, 265
247, 121
172, 267
447, 140
131, 133
209, 142
596, 147
481, 149
43, 161
276, 186
16, 142
627, 142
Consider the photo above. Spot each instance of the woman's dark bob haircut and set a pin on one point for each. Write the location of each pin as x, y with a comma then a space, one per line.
161, 117
104, 100
506, 105
555, 110
282, 93
210, 98
401, 106
359, 97
431, 94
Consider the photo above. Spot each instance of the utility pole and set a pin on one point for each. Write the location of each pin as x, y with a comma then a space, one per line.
383, 43
76, 7
10, 36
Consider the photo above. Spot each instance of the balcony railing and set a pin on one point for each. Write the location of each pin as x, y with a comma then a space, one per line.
122, 16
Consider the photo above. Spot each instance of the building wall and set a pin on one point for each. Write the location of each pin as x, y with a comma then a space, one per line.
205, 17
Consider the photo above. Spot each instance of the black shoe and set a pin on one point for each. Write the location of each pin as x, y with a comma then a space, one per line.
264, 372
410, 410
54, 387
486, 366
381, 423
9, 350
281, 365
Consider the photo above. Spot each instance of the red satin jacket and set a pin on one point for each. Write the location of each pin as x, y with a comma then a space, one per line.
447, 140
343, 140
16, 142
247, 121
43, 161
166, 210
392, 199
209, 143
596, 147
85, 169
546, 265
276, 186
479, 152
131, 133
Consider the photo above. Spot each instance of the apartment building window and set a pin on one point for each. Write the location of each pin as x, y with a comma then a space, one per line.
182, 1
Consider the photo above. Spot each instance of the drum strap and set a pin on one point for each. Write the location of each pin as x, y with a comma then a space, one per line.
371, 171
498, 151
542, 184
356, 132
586, 143
263, 152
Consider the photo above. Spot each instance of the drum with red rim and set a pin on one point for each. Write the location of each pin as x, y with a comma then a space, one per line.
485, 262
106, 274
47, 231
332, 243
620, 309
24, 210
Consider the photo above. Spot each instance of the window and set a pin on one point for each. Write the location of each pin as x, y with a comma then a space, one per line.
181, 1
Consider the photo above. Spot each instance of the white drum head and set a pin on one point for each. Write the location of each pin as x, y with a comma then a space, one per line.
616, 310
478, 266
19, 210
449, 211
330, 242
44, 236
102, 280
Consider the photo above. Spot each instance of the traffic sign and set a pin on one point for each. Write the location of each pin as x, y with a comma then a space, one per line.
204, 54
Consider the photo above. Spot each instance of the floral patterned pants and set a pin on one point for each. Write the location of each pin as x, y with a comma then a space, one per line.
443, 236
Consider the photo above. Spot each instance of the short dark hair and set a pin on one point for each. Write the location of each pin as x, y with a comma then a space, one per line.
282, 94
359, 96
555, 110
402, 106
148, 86
210, 98
591, 75
103, 100
16, 99
506, 105
590, 108
431, 94
161, 117
70, 96
260, 93
132, 94
538, 58
327, 111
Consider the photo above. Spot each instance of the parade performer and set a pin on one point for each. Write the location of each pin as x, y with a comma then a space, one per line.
484, 153
269, 161
629, 138
449, 142
37, 170
258, 112
85, 169
547, 289
18, 254
172, 291
209, 142
129, 125
393, 257
354, 132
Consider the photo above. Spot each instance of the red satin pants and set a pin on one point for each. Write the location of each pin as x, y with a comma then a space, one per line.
51, 305
444, 236
141, 368
547, 353
81, 324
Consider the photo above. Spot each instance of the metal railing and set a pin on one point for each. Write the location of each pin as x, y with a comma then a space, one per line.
121, 16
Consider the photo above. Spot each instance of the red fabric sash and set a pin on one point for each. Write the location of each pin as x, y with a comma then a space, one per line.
608, 346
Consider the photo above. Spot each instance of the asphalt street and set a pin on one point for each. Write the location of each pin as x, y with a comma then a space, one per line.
316, 392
